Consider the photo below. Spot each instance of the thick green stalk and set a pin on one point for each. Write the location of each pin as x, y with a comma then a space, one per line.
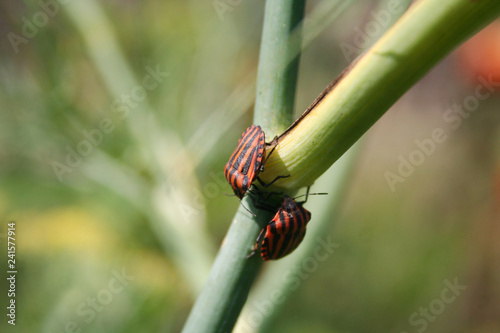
276, 279
226, 289
428, 31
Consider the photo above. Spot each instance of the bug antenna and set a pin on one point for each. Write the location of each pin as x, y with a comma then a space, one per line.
308, 194
248, 210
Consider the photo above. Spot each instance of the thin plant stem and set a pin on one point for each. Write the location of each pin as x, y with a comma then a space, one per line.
221, 300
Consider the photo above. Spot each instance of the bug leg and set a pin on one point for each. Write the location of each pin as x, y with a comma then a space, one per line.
259, 238
257, 202
307, 194
273, 143
261, 203
253, 252
271, 182
261, 168
262, 197
267, 194
263, 206
267, 157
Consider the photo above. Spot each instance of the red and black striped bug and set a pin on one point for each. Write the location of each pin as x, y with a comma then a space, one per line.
248, 160
286, 230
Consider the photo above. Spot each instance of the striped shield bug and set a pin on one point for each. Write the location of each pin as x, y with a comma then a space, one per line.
248, 160
283, 234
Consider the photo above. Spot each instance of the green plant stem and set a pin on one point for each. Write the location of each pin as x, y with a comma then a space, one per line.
275, 280
281, 279
226, 289
204, 139
278, 65
428, 31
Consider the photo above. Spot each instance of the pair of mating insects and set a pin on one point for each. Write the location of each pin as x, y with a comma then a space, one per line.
287, 229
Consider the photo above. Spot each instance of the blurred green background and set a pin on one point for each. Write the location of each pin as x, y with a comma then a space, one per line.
116, 119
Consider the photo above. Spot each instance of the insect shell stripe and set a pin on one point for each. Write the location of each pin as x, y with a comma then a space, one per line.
265, 249
253, 148
291, 226
286, 246
235, 154
246, 136
233, 177
240, 176
266, 246
243, 147
250, 161
290, 220
249, 142
243, 182
277, 243
274, 238
280, 242
298, 239
245, 160
229, 173
303, 217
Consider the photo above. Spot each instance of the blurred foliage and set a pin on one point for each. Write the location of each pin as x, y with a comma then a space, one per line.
75, 235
